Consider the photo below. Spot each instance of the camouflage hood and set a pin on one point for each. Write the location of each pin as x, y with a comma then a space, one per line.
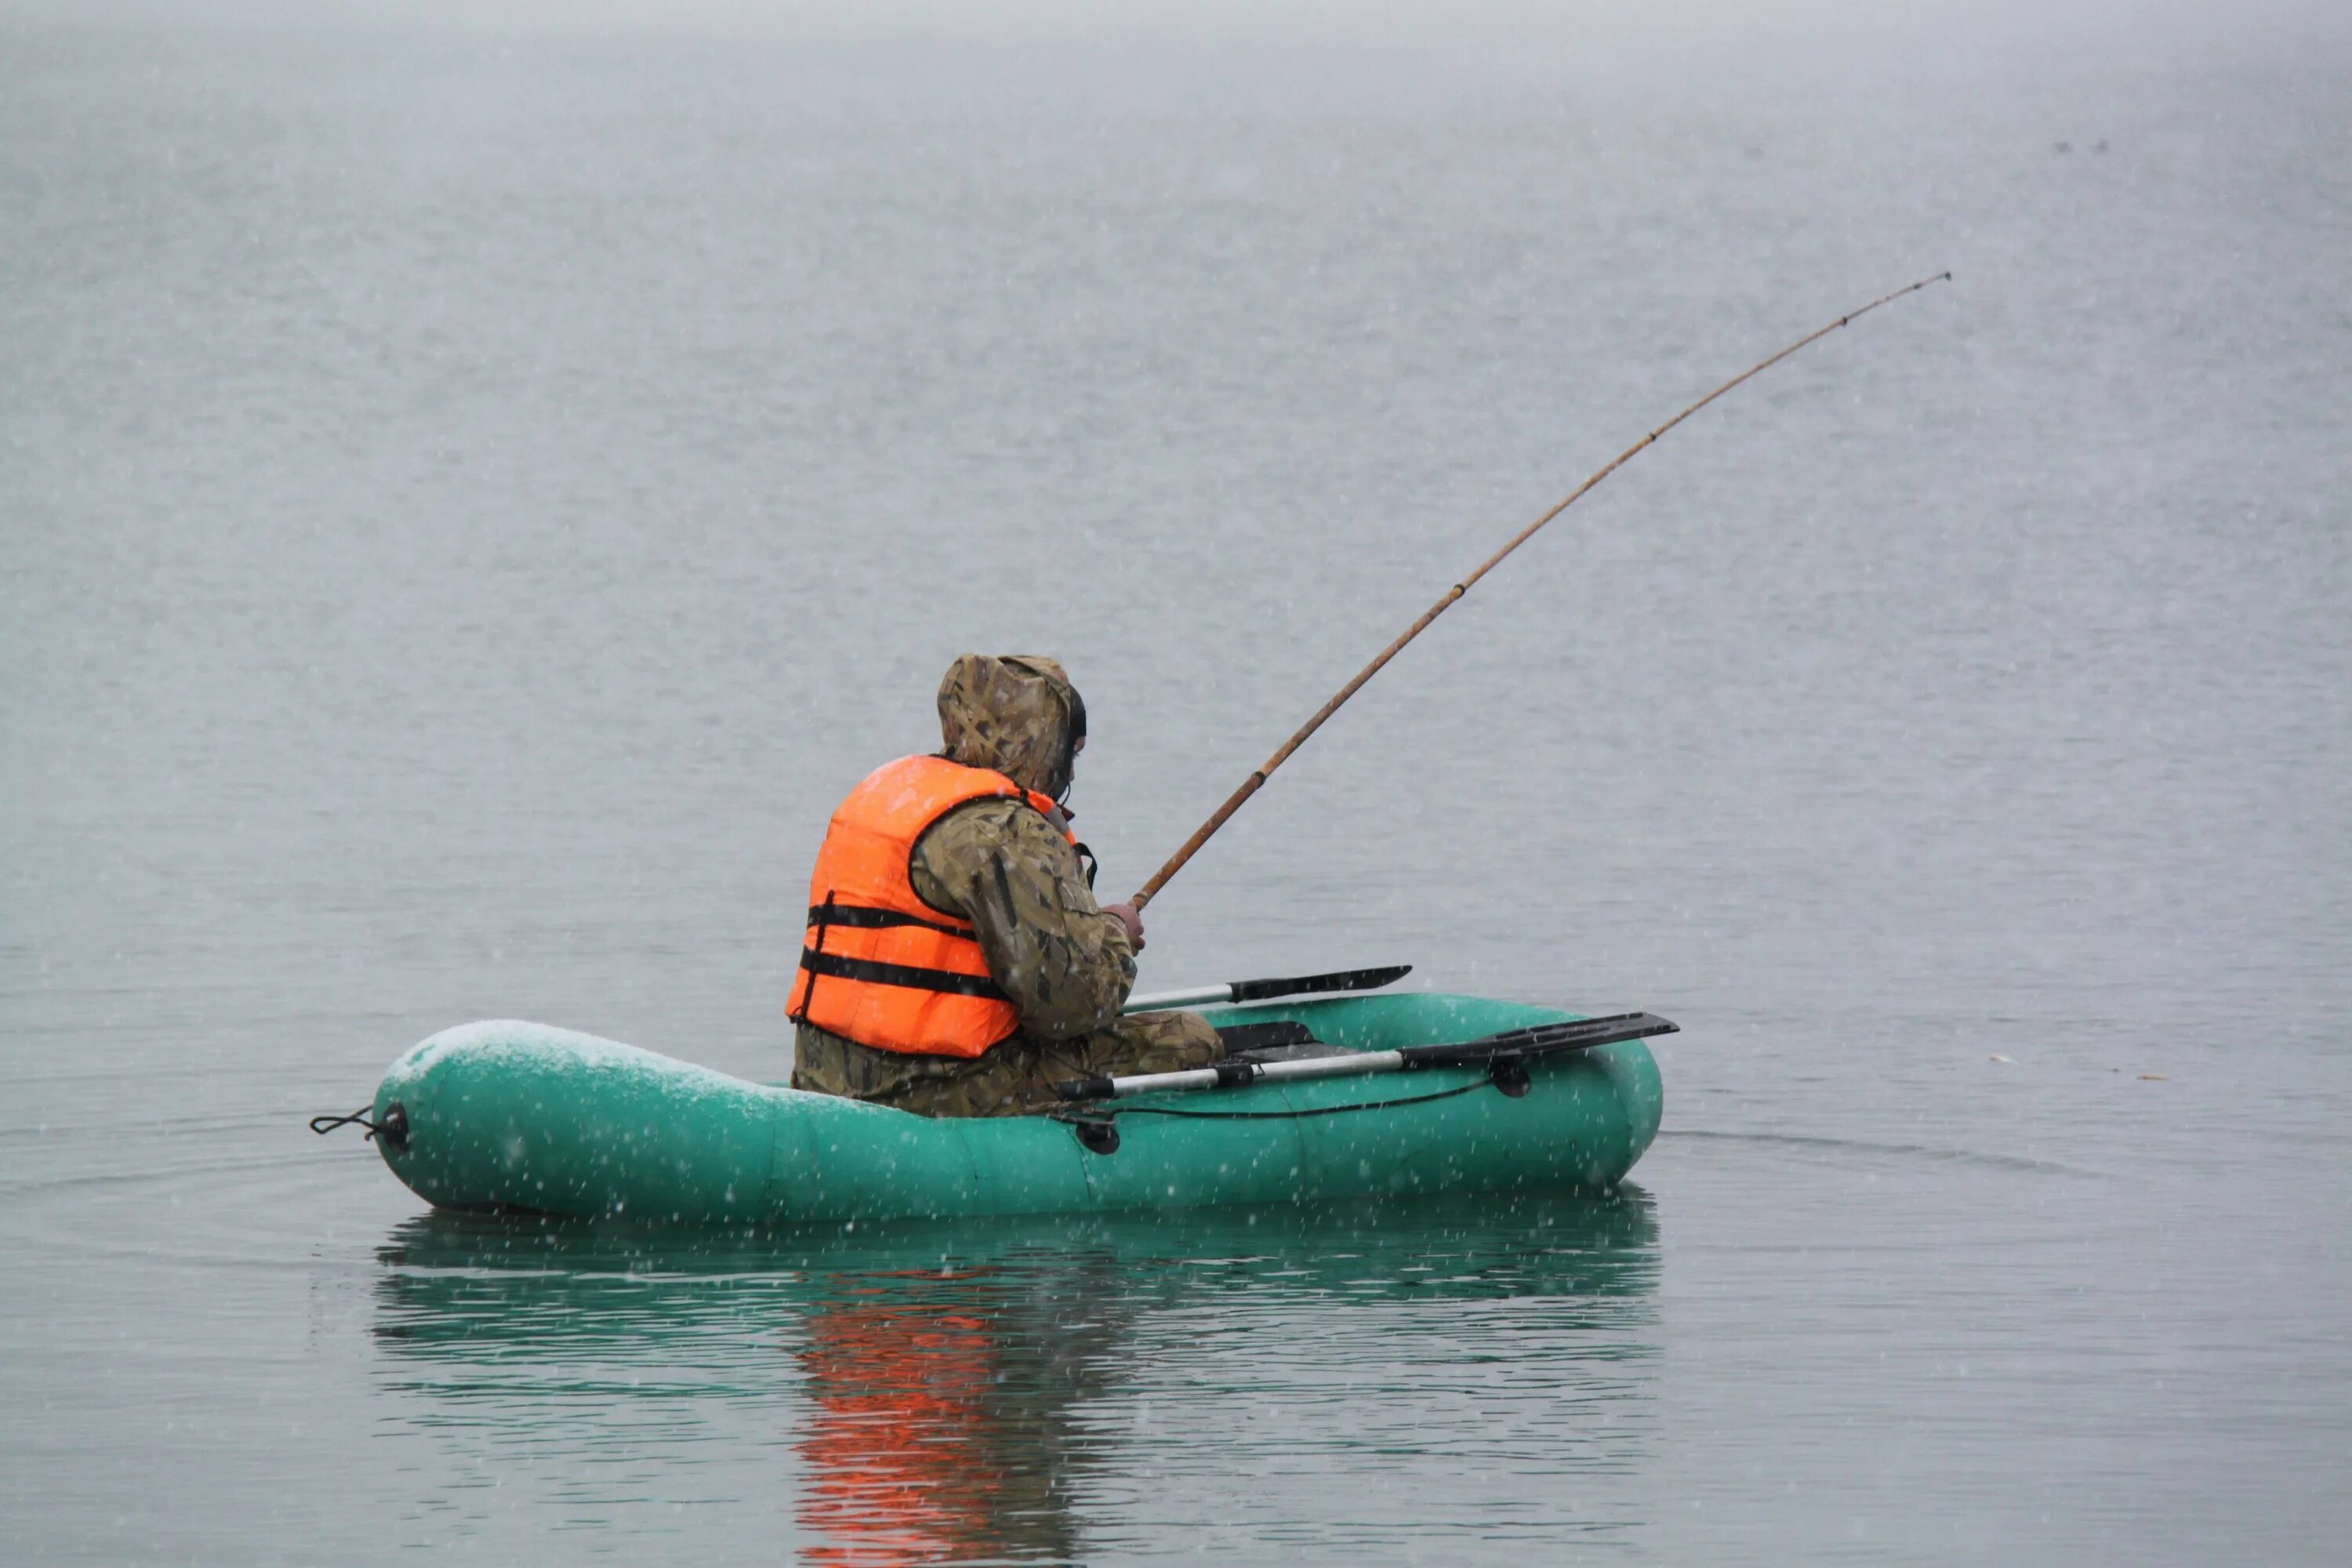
1018, 714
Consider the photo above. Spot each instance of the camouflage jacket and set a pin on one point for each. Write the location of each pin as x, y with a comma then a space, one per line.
1066, 966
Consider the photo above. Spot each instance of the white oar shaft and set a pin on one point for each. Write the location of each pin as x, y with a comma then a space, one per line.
1351, 1064
1197, 994
1509, 1049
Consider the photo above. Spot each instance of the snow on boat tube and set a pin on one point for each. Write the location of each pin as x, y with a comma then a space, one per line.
509, 1115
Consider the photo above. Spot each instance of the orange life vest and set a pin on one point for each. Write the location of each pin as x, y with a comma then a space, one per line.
878, 965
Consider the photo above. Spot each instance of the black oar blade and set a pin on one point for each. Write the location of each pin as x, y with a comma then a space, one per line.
1543, 1039
1309, 985
1281, 1032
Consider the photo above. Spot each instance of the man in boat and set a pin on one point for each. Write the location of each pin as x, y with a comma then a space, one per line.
955, 962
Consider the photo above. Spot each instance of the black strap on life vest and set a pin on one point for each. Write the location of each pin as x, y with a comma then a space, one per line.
821, 917
865, 918
906, 974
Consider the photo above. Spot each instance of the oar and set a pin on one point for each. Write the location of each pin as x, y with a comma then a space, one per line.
1256, 781
1266, 990
1511, 1046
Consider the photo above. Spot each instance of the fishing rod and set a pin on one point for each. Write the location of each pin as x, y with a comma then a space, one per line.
1256, 781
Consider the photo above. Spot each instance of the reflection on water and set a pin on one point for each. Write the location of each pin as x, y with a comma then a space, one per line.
944, 1416
949, 1391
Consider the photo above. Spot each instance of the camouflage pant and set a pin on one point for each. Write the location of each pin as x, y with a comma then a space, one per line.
1014, 1079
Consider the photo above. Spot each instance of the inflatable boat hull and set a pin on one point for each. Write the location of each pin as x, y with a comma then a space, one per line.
509, 1115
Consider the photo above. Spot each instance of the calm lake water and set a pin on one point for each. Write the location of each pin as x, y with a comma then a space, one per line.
474, 496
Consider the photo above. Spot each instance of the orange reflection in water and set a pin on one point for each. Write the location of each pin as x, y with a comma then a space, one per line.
925, 1445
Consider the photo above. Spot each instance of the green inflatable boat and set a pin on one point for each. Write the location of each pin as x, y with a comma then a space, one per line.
524, 1117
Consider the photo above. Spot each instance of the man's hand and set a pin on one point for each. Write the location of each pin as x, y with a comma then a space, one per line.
1130, 920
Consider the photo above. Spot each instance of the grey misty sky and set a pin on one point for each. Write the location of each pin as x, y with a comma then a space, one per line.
1824, 26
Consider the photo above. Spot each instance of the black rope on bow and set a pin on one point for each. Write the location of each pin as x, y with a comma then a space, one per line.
393, 1126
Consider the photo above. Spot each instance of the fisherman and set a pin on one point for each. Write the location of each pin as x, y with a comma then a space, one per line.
955, 962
